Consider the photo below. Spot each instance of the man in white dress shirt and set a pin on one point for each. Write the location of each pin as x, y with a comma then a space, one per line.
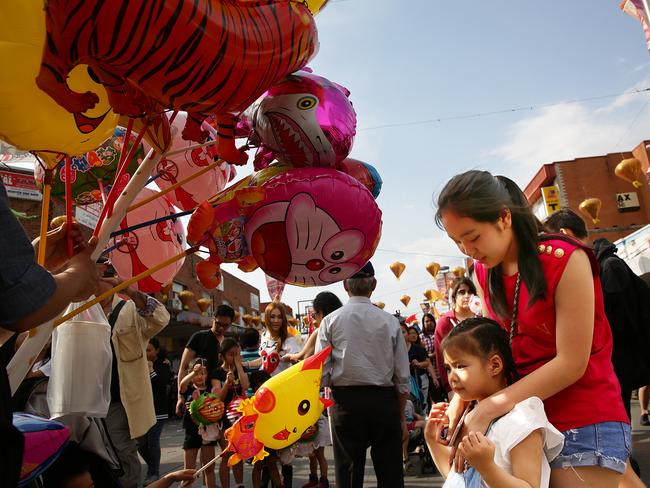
368, 371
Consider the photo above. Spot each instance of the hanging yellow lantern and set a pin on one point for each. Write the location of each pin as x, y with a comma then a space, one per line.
315, 6
257, 320
204, 304
292, 321
433, 295
458, 272
397, 268
591, 208
186, 297
165, 292
248, 319
630, 170
405, 300
433, 268
380, 305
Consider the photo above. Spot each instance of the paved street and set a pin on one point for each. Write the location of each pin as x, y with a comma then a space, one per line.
172, 458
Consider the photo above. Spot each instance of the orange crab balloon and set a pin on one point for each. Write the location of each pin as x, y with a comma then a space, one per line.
433, 268
405, 300
591, 208
397, 268
630, 170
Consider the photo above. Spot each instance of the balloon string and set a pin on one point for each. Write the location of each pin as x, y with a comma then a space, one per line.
174, 186
154, 177
124, 284
107, 210
68, 203
148, 223
45, 215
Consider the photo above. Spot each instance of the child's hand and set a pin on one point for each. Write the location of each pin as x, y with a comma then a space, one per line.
197, 368
182, 475
230, 377
438, 421
478, 450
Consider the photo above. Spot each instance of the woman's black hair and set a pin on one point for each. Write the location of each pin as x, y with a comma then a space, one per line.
162, 353
430, 315
483, 197
326, 302
483, 337
463, 280
409, 329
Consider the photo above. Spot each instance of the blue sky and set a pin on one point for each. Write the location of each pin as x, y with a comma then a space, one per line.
426, 59
406, 62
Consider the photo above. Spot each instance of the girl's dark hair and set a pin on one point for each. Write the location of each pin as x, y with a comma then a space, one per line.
249, 338
226, 345
482, 337
162, 353
195, 361
430, 315
463, 280
483, 197
410, 328
326, 302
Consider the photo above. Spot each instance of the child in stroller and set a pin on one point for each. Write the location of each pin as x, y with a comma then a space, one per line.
415, 442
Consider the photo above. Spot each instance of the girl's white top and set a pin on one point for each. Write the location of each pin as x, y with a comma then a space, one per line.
525, 418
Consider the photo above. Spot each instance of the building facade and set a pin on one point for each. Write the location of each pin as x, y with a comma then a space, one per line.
625, 209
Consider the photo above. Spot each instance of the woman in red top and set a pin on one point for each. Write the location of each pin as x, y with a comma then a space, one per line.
546, 293
461, 293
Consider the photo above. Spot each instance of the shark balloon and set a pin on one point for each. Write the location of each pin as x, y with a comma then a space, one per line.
304, 120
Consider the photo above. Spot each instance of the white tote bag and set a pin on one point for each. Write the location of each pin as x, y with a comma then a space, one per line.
81, 365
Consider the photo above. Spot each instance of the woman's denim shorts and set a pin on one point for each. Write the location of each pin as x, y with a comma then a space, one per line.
606, 445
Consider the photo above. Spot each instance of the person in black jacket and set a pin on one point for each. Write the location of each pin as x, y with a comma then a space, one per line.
161, 376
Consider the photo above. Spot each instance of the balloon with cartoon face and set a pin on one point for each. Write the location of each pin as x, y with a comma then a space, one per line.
143, 248
306, 227
304, 120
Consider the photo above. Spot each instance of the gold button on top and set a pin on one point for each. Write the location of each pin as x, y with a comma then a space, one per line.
549, 249
541, 248
558, 253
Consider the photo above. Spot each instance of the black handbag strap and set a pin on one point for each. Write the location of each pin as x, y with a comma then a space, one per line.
112, 318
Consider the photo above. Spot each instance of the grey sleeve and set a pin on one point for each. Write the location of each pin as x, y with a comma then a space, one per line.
321, 343
402, 374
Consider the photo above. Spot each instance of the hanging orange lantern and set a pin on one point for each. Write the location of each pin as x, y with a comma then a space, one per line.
204, 304
292, 321
630, 170
186, 297
591, 208
405, 300
433, 295
397, 268
380, 305
257, 320
248, 319
458, 272
433, 268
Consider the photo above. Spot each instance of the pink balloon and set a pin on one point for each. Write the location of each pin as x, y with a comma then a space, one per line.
311, 227
143, 248
180, 166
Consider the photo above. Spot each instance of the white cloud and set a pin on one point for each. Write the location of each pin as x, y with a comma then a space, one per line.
570, 131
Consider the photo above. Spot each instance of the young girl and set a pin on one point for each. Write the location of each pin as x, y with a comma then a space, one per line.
196, 381
230, 382
462, 291
545, 292
518, 446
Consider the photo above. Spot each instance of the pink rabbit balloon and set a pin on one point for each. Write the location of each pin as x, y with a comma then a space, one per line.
143, 248
180, 166
304, 120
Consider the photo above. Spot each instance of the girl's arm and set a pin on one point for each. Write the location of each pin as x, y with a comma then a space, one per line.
241, 374
218, 389
308, 349
182, 386
437, 422
526, 460
255, 363
574, 312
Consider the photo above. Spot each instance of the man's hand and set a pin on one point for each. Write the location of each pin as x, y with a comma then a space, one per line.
478, 450
56, 246
83, 272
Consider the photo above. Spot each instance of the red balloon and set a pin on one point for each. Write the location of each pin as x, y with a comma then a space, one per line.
205, 56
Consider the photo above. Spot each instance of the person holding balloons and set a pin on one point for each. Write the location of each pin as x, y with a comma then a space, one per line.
545, 292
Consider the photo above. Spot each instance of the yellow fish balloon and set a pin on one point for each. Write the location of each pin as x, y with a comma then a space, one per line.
290, 402
29, 118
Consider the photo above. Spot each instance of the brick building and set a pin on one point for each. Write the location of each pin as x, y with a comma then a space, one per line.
567, 183
244, 298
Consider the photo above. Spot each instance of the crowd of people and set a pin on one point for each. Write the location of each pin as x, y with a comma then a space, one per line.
533, 390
